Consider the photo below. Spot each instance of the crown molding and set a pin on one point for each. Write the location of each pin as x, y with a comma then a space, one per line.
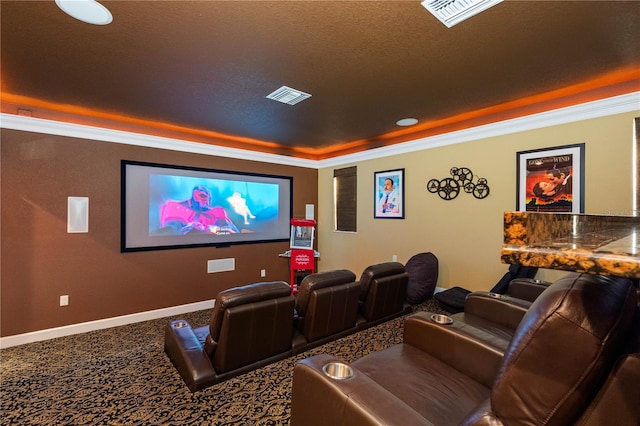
600, 108
50, 127
589, 110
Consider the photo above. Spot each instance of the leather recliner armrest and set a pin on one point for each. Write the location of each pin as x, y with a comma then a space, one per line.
527, 288
320, 400
498, 308
187, 353
472, 351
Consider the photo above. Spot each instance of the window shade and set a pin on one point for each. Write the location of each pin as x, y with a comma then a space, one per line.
345, 196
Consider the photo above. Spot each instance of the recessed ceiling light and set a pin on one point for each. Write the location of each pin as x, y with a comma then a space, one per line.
406, 122
89, 11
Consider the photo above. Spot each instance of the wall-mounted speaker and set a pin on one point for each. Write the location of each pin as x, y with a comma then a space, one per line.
309, 212
77, 215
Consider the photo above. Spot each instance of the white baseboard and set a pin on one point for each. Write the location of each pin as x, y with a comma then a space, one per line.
67, 330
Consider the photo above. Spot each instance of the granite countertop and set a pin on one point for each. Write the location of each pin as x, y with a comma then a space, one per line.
595, 244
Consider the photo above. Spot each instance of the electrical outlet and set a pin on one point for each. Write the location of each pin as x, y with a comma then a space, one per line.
394, 258
263, 273
64, 300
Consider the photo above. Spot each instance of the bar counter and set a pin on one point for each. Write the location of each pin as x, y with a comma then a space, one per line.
595, 244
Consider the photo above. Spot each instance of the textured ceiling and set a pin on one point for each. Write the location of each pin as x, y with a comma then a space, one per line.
204, 67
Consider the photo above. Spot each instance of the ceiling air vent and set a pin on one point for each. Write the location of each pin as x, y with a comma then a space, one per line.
287, 95
451, 12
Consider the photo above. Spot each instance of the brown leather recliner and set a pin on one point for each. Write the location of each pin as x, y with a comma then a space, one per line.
326, 308
493, 318
383, 292
250, 326
618, 401
527, 288
560, 355
499, 314
490, 320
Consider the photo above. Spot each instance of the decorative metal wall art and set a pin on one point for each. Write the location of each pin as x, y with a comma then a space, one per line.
461, 180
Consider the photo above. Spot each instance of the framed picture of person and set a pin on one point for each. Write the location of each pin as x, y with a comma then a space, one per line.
388, 194
551, 179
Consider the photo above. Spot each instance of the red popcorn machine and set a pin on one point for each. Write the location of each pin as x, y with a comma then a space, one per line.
301, 253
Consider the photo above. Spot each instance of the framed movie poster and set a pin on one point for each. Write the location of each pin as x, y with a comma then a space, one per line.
551, 180
388, 197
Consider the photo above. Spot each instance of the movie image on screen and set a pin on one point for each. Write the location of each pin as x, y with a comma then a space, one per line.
175, 206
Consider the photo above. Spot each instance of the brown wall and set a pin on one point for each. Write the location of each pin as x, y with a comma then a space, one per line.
40, 261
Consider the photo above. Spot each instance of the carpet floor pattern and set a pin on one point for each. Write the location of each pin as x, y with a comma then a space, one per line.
121, 376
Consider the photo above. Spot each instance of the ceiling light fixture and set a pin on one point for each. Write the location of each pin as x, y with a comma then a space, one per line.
287, 95
89, 11
406, 122
451, 12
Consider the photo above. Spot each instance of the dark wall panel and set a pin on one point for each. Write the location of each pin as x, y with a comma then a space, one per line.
40, 261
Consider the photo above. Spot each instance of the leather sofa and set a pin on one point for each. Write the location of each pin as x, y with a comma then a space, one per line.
573, 359
257, 324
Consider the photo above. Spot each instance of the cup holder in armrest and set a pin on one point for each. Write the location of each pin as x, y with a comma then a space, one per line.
543, 282
338, 370
441, 319
496, 295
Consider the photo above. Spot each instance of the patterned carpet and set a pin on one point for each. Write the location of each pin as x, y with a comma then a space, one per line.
121, 376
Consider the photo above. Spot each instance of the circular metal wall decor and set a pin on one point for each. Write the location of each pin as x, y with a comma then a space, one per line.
448, 189
462, 175
461, 180
433, 185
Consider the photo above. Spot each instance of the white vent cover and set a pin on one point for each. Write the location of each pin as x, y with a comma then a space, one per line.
451, 12
287, 95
